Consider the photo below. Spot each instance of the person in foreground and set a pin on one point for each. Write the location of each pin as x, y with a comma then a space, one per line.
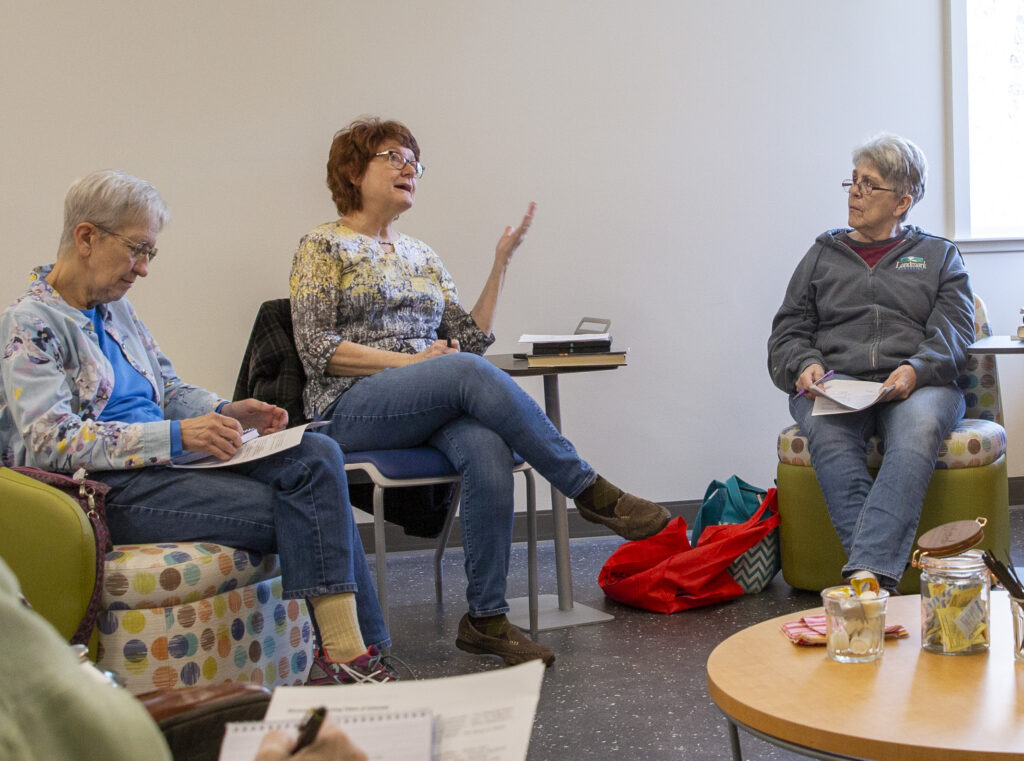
53, 708
85, 385
392, 360
881, 301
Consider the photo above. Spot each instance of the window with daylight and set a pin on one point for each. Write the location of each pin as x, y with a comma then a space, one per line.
988, 117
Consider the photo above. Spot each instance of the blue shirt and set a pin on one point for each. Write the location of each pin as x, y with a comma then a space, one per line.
132, 399
55, 381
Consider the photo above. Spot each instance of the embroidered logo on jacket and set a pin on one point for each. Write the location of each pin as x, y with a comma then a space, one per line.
911, 263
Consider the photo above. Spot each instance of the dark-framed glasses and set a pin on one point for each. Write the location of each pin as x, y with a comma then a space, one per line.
866, 187
397, 161
138, 250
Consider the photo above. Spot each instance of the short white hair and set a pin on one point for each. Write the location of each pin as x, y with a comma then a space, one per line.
901, 163
111, 198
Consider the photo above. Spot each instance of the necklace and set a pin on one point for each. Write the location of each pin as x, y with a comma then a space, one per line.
374, 238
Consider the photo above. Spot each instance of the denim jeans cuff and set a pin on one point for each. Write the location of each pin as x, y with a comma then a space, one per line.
488, 613
305, 594
588, 481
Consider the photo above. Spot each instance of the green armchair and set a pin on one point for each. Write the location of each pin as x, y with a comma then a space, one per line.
48, 542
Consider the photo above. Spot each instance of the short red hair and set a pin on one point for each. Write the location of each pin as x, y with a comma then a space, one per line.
351, 152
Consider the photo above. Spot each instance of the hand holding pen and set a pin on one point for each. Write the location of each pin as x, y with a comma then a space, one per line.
330, 744
822, 379
310, 727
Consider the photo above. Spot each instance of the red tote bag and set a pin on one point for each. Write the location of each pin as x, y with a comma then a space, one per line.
664, 574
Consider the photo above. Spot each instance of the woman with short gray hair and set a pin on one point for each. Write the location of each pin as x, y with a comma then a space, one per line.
878, 301
900, 161
83, 384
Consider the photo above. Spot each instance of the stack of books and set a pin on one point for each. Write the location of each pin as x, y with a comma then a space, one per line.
576, 350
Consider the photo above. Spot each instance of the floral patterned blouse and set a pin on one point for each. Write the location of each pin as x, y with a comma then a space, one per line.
56, 381
346, 287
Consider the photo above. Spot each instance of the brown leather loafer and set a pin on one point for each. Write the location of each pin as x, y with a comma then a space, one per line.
513, 645
634, 518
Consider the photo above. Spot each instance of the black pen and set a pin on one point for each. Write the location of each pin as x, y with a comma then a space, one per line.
1002, 573
309, 727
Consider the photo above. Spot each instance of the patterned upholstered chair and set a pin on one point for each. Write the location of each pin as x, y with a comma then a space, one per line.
172, 615
969, 482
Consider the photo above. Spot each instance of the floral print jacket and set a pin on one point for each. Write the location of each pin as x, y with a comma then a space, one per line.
346, 287
55, 382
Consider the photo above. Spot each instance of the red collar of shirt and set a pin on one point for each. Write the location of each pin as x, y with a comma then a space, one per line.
872, 253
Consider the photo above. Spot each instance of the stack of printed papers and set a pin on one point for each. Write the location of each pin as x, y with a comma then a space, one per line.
838, 395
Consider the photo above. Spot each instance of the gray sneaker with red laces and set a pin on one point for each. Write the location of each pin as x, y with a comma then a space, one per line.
368, 668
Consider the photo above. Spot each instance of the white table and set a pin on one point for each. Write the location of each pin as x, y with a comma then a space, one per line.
997, 345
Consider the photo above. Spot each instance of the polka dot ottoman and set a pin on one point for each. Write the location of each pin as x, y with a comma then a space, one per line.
175, 615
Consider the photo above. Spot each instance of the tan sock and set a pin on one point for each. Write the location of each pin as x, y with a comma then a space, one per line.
338, 623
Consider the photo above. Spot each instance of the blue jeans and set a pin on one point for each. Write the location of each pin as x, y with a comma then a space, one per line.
876, 520
294, 503
476, 415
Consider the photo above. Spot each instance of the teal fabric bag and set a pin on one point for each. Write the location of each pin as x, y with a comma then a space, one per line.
729, 501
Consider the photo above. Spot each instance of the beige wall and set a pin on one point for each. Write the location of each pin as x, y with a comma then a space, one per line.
683, 156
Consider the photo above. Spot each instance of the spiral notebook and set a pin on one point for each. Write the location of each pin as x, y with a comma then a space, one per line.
405, 735
486, 715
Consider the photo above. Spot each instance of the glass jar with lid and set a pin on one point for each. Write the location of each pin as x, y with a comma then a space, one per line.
955, 586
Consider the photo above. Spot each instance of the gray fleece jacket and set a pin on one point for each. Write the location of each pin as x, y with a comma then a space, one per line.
915, 306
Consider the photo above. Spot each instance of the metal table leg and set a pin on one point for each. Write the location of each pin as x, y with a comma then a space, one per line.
734, 741
803, 750
557, 612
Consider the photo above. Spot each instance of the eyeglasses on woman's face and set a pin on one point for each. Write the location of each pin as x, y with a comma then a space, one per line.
866, 187
138, 250
397, 161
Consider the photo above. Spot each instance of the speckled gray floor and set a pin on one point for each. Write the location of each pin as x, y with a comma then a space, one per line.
629, 689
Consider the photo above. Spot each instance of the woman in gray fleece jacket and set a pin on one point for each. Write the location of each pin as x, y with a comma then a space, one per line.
881, 301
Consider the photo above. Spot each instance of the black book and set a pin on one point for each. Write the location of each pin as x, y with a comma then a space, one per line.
582, 346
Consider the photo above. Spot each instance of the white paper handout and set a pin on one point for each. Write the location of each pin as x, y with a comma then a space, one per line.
838, 395
381, 735
483, 717
538, 338
261, 446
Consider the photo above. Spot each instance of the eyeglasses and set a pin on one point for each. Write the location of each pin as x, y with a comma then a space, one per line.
865, 186
138, 250
397, 161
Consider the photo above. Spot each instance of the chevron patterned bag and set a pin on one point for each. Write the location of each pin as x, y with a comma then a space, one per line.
736, 501
757, 566
665, 574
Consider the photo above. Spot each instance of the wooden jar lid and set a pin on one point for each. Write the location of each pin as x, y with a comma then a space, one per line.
952, 538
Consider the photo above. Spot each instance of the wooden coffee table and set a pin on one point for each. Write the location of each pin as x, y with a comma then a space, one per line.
910, 706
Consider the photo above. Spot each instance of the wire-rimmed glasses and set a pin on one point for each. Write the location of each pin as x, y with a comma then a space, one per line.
138, 250
866, 187
397, 161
